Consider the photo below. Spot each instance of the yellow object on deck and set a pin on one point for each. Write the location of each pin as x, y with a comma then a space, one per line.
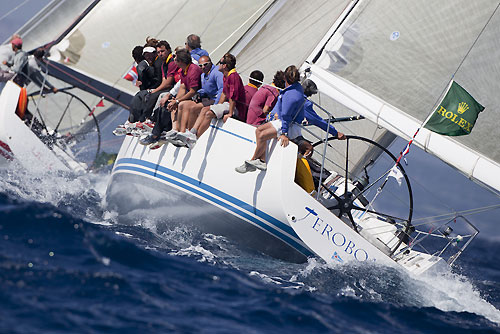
303, 176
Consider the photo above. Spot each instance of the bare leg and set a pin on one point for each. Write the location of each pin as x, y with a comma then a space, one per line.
173, 114
203, 121
193, 114
184, 114
262, 134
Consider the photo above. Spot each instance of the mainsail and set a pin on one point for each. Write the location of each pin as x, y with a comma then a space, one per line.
392, 61
100, 45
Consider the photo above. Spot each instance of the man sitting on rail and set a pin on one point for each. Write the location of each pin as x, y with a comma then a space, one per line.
264, 100
312, 118
190, 83
255, 81
231, 103
17, 65
208, 94
193, 45
290, 110
168, 70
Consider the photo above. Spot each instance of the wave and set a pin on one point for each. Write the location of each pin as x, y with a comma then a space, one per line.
58, 239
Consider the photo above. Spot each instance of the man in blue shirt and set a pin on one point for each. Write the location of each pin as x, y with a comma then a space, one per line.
290, 111
208, 94
312, 118
193, 45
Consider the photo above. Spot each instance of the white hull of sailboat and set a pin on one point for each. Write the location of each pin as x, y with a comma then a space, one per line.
263, 210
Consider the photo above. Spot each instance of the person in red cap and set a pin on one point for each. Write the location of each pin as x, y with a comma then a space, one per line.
18, 65
6, 52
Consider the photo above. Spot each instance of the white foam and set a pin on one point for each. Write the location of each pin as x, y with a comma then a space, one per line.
453, 292
49, 187
446, 291
205, 255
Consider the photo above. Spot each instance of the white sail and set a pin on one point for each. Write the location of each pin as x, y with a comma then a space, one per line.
288, 37
51, 22
294, 28
264, 35
101, 44
391, 62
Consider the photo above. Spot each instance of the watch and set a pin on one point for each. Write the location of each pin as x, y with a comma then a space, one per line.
177, 101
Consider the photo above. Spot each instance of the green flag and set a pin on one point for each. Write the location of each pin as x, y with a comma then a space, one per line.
457, 113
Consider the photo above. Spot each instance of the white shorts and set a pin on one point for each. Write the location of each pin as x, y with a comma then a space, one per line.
294, 129
221, 109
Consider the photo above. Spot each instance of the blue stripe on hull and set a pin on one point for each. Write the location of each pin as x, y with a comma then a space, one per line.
239, 207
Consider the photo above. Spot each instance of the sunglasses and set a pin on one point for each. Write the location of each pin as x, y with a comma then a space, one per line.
203, 65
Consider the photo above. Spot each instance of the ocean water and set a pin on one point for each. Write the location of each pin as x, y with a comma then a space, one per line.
67, 266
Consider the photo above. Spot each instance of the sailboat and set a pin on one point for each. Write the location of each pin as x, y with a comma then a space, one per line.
385, 61
47, 131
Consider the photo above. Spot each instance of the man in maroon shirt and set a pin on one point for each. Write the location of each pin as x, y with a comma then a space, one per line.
264, 100
255, 81
168, 68
190, 78
231, 103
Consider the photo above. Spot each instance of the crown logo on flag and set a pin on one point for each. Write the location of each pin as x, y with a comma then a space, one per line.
462, 107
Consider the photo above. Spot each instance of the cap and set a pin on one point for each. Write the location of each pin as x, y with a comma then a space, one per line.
17, 42
148, 49
309, 87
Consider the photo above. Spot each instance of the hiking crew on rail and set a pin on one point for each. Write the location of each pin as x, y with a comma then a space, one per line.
191, 91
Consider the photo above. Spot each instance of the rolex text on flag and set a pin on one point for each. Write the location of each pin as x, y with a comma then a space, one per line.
456, 114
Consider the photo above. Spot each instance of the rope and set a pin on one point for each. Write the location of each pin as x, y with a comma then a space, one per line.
87, 85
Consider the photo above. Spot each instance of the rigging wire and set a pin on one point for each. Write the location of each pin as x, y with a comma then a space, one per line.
266, 51
210, 22
468, 212
241, 26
